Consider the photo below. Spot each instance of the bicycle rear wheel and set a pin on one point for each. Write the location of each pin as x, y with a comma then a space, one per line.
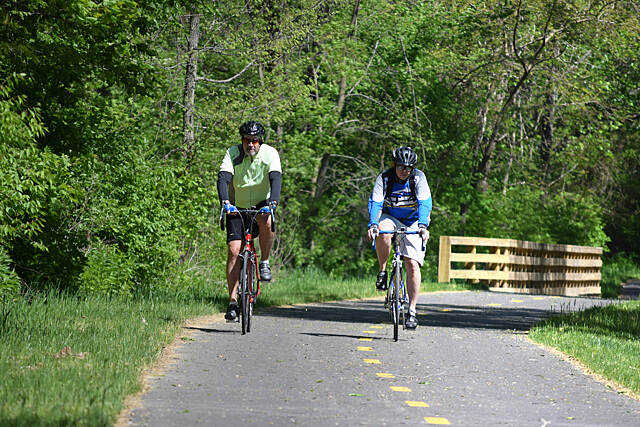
245, 294
397, 277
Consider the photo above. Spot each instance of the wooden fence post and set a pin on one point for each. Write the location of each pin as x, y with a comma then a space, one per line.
444, 256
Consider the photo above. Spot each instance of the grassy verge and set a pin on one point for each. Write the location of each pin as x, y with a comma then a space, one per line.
71, 361
68, 360
605, 339
615, 271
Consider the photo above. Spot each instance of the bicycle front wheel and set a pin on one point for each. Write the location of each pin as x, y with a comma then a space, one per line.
251, 288
245, 292
397, 278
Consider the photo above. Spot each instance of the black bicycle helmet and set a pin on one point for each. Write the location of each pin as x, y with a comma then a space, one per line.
252, 128
405, 156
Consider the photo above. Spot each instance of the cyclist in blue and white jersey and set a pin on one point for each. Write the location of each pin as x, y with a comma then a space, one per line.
401, 198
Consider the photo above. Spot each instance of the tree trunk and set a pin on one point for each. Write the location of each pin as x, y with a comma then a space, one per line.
464, 207
352, 32
188, 137
546, 131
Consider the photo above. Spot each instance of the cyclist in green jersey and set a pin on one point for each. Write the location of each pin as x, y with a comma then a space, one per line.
250, 176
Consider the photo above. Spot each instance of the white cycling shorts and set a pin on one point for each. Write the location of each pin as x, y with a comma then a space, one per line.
410, 244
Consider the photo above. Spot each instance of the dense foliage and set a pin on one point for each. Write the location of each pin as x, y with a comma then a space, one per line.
114, 116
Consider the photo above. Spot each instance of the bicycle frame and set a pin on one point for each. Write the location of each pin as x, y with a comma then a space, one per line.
250, 252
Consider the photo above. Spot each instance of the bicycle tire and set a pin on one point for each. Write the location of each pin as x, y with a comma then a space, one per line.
388, 299
396, 301
403, 298
244, 292
251, 286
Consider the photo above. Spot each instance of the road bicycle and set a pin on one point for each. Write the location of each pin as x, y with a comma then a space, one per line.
396, 298
249, 280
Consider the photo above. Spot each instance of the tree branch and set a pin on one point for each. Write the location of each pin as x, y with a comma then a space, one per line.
204, 79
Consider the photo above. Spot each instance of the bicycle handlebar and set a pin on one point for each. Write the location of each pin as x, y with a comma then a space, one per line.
399, 231
250, 211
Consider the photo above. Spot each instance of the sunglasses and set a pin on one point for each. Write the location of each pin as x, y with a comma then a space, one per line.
251, 141
404, 168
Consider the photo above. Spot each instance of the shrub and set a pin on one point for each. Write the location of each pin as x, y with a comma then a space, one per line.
9, 281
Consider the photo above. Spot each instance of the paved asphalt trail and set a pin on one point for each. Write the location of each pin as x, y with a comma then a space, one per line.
467, 364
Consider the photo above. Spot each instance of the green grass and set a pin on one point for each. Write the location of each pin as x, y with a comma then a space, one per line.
108, 341
616, 271
605, 339
68, 360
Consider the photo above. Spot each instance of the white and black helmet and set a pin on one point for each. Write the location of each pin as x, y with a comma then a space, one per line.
252, 128
405, 156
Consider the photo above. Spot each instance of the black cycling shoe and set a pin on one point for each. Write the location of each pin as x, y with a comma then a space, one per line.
381, 281
412, 321
232, 311
265, 271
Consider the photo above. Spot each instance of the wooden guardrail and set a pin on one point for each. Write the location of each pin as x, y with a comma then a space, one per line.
520, 266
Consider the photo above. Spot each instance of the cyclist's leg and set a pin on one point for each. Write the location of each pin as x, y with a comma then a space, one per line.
233, 268
411, 249
383, 241
266, 236
413, 281
383, 249
234, 244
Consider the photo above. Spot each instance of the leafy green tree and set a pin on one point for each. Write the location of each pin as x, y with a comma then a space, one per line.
34, 189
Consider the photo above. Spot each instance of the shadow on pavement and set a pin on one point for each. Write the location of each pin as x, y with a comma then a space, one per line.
211, 330
314, 334
473, 317
456, 316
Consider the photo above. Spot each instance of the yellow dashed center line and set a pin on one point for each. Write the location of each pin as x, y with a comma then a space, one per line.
516, 300
446, 309
538, 298
397, 388
494, 305
437, 420
385, 375
416, 403
411, 403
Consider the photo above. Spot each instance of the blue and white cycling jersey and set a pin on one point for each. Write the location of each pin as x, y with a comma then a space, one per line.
402, 203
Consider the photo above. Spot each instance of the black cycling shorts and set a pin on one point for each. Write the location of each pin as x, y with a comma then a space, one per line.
235, 225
